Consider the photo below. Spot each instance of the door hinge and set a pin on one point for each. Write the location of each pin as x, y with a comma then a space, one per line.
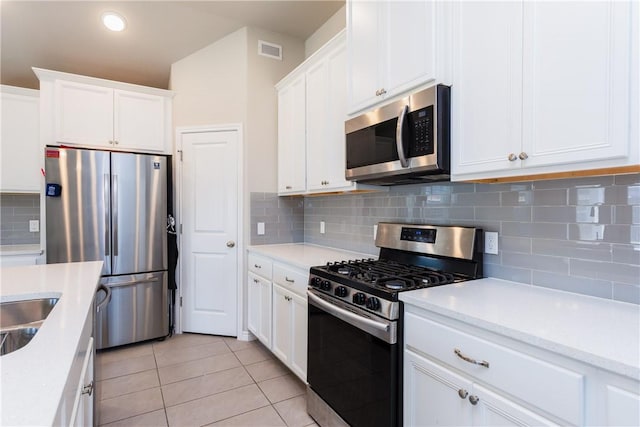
180, 228
180, 301
180, 151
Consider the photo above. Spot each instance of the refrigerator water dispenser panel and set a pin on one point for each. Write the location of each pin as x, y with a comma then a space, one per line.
54, 190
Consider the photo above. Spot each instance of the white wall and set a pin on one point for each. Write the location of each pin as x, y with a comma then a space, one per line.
262, 105
325, 33
210, 84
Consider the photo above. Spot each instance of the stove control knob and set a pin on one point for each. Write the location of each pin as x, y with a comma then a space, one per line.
325, 285
359, 298
340, 291
315, 282
373, 303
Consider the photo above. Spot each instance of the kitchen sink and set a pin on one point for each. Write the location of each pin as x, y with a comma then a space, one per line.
20, 321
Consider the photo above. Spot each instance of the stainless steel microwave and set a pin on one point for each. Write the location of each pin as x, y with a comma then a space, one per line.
405, 142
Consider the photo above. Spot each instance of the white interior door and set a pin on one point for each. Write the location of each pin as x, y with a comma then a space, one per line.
210, 196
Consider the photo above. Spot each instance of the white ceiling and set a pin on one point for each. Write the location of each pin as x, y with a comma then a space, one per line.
68, 35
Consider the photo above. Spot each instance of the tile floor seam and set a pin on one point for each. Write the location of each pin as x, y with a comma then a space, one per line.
133, 416
213, 394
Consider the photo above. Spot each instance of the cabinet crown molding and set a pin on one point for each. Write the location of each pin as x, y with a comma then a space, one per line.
51, 75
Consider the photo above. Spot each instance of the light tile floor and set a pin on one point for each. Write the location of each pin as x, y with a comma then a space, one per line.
197, 380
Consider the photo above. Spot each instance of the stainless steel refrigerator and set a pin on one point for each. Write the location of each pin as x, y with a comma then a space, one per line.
112, 206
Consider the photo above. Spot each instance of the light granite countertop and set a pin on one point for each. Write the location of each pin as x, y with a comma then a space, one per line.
20, 250
305, 255
600, 332
33, 378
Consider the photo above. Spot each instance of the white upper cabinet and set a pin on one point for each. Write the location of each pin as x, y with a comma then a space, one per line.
326, 113
392, 47
543, 87
292, 137
20, 140
311, 116
98, 113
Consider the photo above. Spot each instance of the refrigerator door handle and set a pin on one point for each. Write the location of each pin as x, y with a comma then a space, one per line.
131, 283
107, 240
114, 189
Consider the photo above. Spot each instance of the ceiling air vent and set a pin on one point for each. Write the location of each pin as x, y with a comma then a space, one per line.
269, 49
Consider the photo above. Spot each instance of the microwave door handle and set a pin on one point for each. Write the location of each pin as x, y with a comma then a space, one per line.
399, 142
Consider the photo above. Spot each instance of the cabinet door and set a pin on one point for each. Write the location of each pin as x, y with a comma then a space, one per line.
282, 324
82, 413
139, 121
20, 143
253, 304
83, 114
492, 409
576, 81
326, 114
264, 330
433, 395
299, 336
410, 44
486, 119
291, 137
623, 407
365, 33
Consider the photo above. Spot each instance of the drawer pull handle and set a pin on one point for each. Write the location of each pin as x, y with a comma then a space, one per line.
257, 266
470, 360
289, 280
474, 400
463, 393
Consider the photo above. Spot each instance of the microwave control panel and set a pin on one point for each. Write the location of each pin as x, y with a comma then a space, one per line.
421, 123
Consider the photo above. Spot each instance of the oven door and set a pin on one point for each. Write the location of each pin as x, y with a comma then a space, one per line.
354, 362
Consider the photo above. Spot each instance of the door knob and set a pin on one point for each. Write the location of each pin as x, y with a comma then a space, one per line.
231, 244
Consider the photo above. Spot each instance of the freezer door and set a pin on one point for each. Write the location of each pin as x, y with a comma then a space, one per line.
138, 310
78, 222
139, 206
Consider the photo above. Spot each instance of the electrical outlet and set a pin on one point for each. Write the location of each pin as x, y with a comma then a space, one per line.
261, 229
491, 242
34, 225
321, 227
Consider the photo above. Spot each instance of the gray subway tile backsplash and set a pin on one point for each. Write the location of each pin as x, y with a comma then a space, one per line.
579, 235
16, 210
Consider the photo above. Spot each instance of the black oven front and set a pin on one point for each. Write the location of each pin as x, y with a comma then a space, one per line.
354, 362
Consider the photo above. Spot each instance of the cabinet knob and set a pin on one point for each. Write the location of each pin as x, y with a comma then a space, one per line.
110, 142
523, 156
116, 142
88, 389
231, 244
288, 187
257, 266
512, 157
474, 400
256, 281
463, 393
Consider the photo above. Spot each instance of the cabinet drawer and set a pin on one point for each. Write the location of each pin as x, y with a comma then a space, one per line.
260, 265
551, 388
293, 279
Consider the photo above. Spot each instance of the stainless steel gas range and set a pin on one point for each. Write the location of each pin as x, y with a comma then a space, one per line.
355, 319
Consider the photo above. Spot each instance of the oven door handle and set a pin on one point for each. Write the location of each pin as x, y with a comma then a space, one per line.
340, 312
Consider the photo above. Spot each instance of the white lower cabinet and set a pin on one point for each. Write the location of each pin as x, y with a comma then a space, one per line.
82, 414
455, 400
277, 309
456, 373
259, 316
290, 330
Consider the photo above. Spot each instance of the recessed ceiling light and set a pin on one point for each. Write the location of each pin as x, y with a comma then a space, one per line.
114, 21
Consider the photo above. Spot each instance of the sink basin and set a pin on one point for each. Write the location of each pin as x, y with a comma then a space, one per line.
20, 321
